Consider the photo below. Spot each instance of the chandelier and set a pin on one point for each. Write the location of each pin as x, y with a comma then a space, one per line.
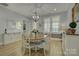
35, 16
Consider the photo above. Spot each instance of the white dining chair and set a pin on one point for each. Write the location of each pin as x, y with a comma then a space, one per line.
37, 45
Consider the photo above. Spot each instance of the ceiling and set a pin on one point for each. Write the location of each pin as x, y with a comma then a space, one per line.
27, 9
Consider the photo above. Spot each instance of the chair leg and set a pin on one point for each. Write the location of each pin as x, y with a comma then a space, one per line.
29, 51
25, 52
44, 52
35, 49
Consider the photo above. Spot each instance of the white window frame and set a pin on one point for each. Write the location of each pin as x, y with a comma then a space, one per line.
47, 25
55, 24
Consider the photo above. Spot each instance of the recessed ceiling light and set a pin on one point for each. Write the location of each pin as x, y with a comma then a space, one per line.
54, 9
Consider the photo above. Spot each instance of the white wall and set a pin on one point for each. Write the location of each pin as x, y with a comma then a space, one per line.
5, 17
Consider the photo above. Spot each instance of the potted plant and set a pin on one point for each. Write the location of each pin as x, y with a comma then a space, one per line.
72, 29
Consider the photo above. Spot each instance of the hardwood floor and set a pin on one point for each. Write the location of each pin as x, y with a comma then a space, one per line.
14, 49
56, 48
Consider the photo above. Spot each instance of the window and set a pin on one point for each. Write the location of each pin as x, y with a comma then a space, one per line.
55, 24
18, 25
52, 24
47, 25
14, 26
55, 27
